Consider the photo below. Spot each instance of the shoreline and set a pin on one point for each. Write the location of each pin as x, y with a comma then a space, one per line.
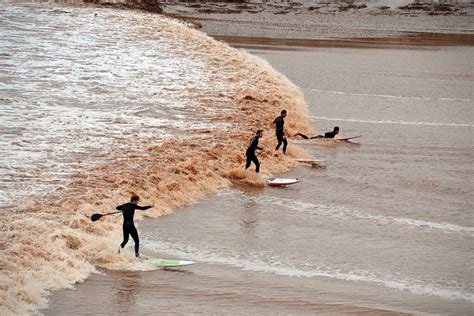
409, 39
361, 28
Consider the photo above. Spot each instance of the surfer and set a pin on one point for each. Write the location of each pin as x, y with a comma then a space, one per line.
250, 153
326, 135
279, 131
128, 210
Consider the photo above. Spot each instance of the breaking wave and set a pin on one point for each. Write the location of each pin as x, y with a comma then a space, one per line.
100, 104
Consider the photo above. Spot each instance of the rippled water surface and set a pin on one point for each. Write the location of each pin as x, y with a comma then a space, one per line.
77, 84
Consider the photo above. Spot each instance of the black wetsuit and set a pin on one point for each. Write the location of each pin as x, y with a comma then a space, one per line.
250, 153
330, 134
128, 210
279, 132
326, 135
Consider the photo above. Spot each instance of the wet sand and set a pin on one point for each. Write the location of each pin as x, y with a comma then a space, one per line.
370, 22
408, 39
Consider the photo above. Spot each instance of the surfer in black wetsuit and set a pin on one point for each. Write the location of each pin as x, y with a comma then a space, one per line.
250, 153
326, 135
279, 131
128, 210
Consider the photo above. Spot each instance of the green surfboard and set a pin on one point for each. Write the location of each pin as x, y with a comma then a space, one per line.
167, 263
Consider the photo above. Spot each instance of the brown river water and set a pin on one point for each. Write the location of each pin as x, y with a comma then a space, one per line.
385, 227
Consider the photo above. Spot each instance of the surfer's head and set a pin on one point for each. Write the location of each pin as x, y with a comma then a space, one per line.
259, 133
283, 113
336, 129
134, 199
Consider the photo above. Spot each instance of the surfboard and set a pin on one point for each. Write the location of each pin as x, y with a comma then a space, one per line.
278, 182
167, 263
347, 138
312, 162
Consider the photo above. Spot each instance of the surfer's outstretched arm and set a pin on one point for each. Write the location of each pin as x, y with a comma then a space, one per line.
143, 207
119, 208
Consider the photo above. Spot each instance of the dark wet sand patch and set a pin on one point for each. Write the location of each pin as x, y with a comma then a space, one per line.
407, 39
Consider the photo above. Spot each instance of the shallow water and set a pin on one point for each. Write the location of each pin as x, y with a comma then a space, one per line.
387, 225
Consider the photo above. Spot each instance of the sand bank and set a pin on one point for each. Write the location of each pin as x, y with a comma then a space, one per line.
360, 27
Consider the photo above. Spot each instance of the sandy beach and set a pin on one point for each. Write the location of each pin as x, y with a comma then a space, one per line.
328, 22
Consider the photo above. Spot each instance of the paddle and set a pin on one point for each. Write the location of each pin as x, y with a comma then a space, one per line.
96, 217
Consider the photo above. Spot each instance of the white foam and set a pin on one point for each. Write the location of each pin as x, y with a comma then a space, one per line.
388, 96
67, 103
279, 267
400, 122
344, 213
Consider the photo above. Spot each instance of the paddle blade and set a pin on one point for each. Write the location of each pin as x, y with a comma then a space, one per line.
96, 217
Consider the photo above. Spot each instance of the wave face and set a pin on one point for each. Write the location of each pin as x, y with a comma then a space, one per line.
97, 104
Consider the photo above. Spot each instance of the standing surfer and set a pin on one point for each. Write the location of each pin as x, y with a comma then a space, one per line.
128, 211
279, 131
250, 153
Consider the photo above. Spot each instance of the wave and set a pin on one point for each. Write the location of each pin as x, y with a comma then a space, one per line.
388, 96
278, 267
344, 213
391, 122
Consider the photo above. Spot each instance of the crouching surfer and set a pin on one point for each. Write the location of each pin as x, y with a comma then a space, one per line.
129, 229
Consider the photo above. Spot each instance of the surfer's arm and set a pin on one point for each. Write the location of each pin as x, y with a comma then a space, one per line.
143, 207
119, 208
254, 144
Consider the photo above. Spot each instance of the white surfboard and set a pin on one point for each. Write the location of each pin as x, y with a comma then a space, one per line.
167, 263
347, 138
278, 182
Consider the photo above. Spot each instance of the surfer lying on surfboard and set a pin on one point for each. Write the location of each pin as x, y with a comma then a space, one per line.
128, 211
326, 135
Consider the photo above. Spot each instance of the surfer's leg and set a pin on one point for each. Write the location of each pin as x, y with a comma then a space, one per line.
278, 145
257, 164
125, 236
249, 160
280, 140
134, 234
285, 144
316, 137
303, 135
